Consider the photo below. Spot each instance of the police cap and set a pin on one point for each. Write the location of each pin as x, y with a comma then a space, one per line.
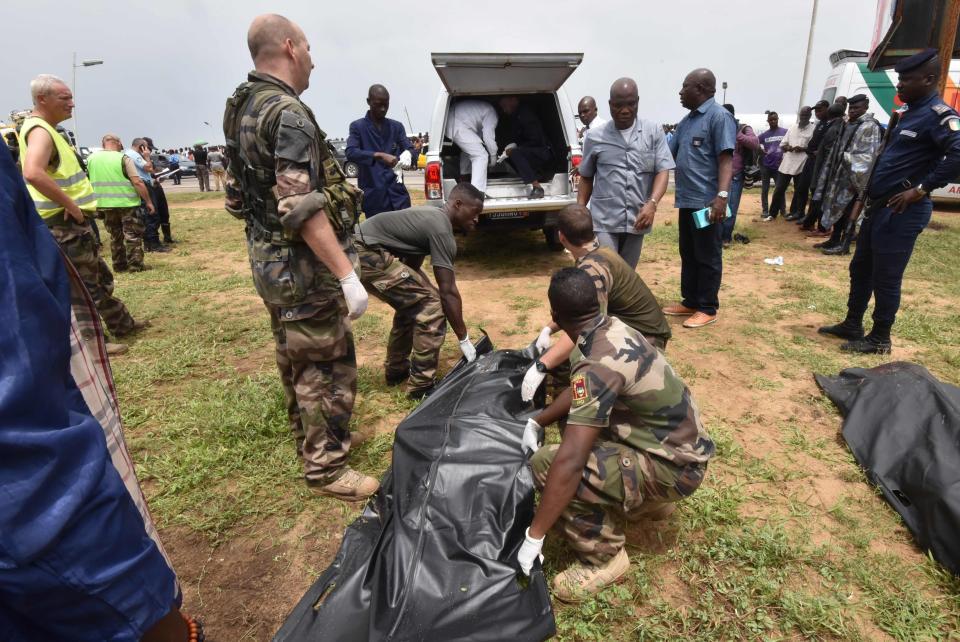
916, 60
857, 98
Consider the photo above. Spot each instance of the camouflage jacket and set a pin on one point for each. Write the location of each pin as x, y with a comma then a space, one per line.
623, 385
622, 293
281, 173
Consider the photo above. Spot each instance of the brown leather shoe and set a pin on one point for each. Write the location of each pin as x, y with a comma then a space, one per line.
699, 320
350, 486
678, 310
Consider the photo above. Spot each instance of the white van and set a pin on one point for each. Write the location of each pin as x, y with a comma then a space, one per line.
851, 76
537, 79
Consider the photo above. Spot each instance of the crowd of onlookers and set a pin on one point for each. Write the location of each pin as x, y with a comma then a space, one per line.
827, 161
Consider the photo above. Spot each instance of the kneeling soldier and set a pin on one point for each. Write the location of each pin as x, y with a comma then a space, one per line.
633, 444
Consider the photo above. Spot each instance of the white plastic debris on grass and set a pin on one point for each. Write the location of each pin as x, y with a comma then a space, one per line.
777, 260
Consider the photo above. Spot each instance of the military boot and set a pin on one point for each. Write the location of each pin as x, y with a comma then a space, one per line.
114, 349
581, 582
350, 486
167, 236
877, 342
846, 329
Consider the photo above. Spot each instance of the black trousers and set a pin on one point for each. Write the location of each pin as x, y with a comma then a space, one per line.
151, 222
778, 204
884, 248
767, 176
530, 162
701, 263
798, 205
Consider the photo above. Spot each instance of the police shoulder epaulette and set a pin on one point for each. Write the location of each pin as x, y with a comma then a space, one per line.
940, 108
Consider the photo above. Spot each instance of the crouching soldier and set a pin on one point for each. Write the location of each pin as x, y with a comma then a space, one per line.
632, 447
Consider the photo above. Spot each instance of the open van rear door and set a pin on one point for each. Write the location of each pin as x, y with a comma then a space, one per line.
504, 73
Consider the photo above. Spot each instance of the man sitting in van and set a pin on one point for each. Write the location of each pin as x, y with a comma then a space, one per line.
526, 145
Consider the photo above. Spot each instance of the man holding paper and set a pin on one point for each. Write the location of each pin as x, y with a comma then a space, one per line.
703, 148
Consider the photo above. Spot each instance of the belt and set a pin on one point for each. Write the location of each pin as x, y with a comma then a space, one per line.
261, 233
875, 203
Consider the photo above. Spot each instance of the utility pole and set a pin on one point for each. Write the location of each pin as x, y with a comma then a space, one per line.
724, 85
806, 62
948, 34
409, 124
73, 89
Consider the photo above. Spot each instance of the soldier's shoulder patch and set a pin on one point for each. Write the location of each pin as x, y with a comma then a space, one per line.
581, 394
954, 124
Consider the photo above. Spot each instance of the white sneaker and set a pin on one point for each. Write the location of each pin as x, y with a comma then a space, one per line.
767, 219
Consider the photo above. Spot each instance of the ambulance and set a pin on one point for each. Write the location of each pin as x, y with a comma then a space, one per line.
850, 76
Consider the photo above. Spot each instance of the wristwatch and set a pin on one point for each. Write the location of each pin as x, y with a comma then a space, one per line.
723, 194
540, 366
920, 188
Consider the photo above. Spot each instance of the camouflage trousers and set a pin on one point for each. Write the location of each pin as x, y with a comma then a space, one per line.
318, 370
419, 325
126, 237
77, 242
618, 481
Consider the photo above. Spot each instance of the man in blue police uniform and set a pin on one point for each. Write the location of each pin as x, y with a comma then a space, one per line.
379, 146
922, 155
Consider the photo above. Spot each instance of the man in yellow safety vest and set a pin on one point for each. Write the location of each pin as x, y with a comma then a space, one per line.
64, 198
120, 192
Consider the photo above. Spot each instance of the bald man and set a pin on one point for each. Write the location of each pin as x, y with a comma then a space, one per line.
587, 111
380, 148
299, 211
703, 148
624, 172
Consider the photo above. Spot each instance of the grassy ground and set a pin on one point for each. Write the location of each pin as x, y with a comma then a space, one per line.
785, 539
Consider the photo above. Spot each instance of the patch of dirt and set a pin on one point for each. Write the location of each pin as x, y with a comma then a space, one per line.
244, 588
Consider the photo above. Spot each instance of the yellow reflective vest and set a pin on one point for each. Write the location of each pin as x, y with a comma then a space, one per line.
110, 184
68, 174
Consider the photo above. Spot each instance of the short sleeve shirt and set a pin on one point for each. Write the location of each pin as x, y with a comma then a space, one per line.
140, 164
702, 136
623, 386
622, 167
415, 231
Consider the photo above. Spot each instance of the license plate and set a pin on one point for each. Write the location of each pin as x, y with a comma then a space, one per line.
499, 216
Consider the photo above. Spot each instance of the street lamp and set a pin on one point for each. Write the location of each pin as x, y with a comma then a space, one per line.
84, 63
724, 85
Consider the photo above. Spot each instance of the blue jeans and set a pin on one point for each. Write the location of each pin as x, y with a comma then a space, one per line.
736, 191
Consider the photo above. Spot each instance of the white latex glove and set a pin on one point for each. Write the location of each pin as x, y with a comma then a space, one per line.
531, 381
543, 339
468, 350
529, 551
405, 159
355, 295
531, 436
504, 156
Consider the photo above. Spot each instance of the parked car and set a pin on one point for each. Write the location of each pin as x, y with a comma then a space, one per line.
339, 148
187, 167
537, 78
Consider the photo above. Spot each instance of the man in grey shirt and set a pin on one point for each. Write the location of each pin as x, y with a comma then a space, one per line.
624, 172
392, 246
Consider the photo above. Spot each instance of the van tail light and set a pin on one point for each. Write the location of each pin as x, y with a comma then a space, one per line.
575, 159
431, 181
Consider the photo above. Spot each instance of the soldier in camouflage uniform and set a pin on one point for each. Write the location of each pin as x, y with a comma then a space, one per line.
633, 444
123, 223
620, 291
299, 210
421, 309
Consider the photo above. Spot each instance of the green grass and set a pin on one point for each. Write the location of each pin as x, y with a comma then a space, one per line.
753, 554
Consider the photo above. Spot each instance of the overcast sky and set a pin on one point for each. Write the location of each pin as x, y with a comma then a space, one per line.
170, 65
